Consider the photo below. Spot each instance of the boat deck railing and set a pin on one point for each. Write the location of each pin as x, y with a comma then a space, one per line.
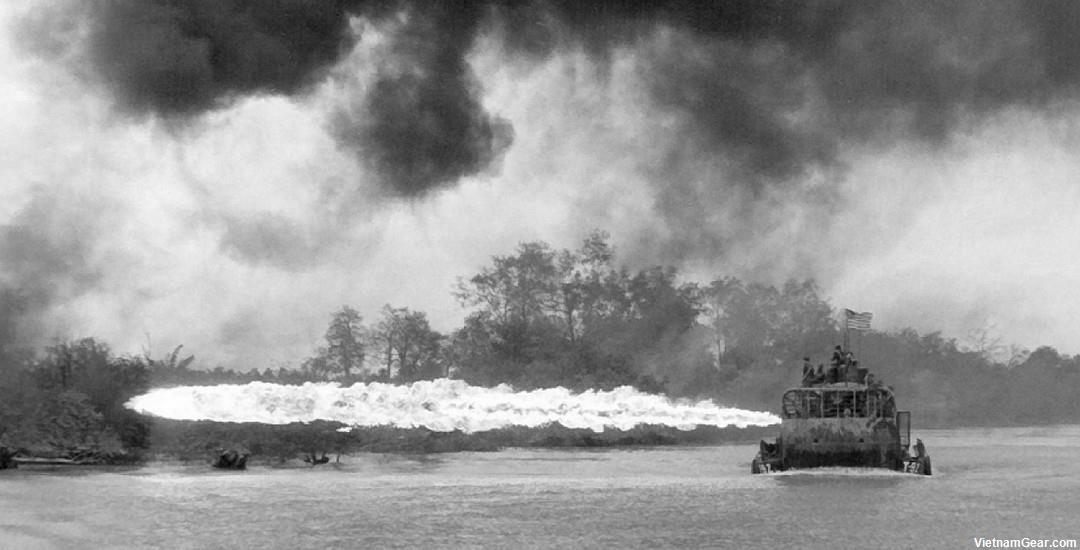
839, 401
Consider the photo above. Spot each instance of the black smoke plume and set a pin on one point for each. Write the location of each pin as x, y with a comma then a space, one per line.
770, 93
184, 57
422, 125
764, 92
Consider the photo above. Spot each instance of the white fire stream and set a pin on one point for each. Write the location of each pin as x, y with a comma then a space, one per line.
440, 405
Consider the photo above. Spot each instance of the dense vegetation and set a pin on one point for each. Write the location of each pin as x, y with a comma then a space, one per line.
542, 317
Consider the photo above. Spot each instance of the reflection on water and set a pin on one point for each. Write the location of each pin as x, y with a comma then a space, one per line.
989, 483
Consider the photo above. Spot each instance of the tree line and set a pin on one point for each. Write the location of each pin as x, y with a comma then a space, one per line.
541, 317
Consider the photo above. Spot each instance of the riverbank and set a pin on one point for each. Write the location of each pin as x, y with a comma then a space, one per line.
275, 444
202, 441
187, 440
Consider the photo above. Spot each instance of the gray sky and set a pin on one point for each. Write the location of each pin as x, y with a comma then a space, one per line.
216, 179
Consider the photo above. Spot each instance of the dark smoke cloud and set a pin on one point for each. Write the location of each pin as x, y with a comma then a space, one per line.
184, 57
933, 61
540, 27
764, 92
422, 125
44, 259
769, 94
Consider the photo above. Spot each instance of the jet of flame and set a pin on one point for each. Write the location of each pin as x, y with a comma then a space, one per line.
440, 405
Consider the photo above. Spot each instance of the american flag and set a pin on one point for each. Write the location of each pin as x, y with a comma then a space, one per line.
858, 321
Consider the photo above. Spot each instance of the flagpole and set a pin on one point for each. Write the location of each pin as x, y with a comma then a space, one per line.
845, 330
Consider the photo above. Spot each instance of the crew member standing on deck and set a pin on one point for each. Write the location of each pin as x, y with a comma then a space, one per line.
835, 364
837, 357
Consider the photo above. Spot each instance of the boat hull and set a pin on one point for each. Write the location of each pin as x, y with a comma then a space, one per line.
856, 442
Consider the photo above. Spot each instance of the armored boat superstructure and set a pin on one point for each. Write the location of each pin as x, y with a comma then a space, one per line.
842, 422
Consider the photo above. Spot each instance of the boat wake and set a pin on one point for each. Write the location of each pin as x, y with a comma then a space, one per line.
440, 405
842, 471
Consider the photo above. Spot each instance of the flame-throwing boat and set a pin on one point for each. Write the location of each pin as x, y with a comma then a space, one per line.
845, 419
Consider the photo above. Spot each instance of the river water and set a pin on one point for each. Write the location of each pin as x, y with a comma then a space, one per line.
992, 483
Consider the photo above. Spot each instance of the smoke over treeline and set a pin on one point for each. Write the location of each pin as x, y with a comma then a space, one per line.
46, 256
